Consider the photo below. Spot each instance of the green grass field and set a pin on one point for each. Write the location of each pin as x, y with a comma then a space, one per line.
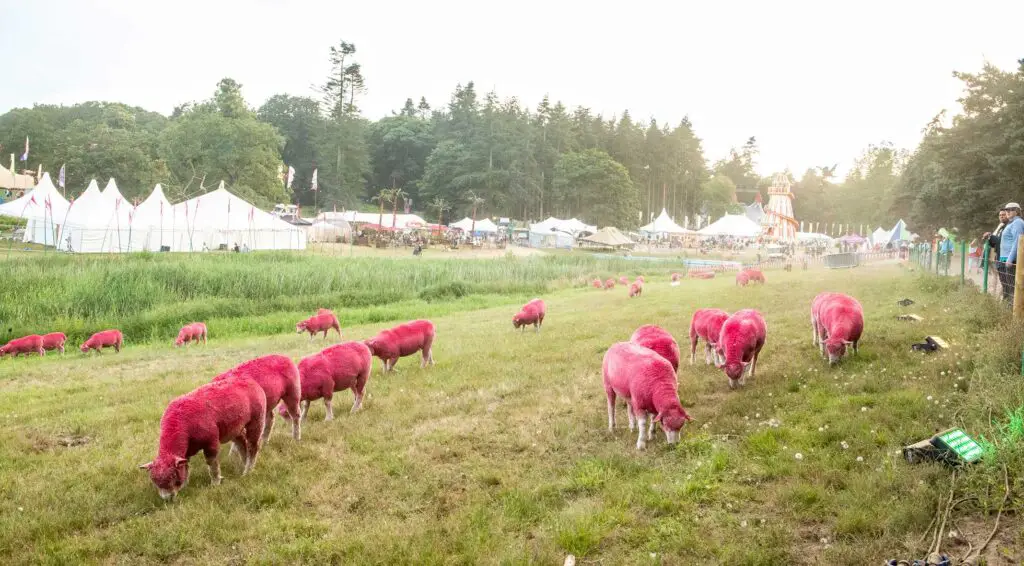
499, 454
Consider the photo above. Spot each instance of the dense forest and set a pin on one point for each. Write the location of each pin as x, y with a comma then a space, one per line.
496, 155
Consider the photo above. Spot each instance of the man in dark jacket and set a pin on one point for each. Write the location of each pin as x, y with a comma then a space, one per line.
994, 238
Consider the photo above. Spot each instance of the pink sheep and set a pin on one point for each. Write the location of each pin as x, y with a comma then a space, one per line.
609, 284
702, 274
739, 344
215, 413
659, 340
104, 339
278, 377
24, 345
820, 300
755, 275
191, 332
648, 384
624, 280
742, 278
840, 324
676, 277
706, 324
321, 322
532, 313
635, 289
640, 278
335, 368
403, 340
597, 284
54, 341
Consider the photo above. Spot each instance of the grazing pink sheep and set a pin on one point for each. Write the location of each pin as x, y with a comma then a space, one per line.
215, 413
191, 332
597, 284
740, 342
531, 313
24, 345
658, 339
278, 377
676, 277
706, 324
335, 368
755, 275
640, 278
624, 280
321, 322
742, 278
840, 323
648, 384
54, 341
609, 284
702, 274
403, 340
104, 339
635, 289
819, 301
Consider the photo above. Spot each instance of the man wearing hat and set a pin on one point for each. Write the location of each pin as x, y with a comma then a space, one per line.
1007, 265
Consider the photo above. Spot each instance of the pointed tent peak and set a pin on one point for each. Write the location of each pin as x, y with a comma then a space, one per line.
93, 188
111, 185
220, 187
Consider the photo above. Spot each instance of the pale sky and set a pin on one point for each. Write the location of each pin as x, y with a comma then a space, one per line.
815, 81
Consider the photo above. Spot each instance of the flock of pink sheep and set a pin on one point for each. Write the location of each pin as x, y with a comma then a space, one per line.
238, 405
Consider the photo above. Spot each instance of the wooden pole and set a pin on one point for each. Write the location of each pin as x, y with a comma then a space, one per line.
1018, 283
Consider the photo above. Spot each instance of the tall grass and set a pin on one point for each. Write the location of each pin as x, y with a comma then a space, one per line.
149, 296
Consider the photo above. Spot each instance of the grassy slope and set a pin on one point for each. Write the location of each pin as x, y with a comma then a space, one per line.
499, 453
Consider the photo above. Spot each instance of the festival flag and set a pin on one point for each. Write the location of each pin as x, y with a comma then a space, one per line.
24, 156
252, 214
13, 171
291, 176
314, 186
60, 177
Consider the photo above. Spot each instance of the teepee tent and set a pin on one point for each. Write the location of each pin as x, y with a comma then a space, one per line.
152, 224
736, 225
899, 232
663, 225
44, 208
219, 218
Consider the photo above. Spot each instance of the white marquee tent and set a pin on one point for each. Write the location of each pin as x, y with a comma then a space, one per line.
482, 225
736, 225
97, 222
220, 218
43, 221
880, 237
152, 223
401, 221
664, 225
553, 224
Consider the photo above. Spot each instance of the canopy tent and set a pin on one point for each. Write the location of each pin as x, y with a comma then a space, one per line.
483, 225
812, 237
322, 231
879, 237
572, 226
152, 224
400, 221
43, 221
97, 222
219, 218
664, 225
899, 232
736, 225
549, 239
609, 237
12, 180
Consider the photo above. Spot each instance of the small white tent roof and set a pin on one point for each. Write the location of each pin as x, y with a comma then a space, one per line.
572, 226
33, 203
664, 225
880, 236
401, 221
150, 211
111, 190
737, 225
482, 225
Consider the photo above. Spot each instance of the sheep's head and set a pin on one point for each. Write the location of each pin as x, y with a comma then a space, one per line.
300, 327
517, 320
836, 350
371, 343
734, 370
672, 422
168, 473
84, 347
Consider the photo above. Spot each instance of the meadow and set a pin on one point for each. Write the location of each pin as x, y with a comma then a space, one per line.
500, 453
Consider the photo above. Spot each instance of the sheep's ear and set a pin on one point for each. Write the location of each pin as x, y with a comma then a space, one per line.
657, 418
146, 466
180, 462
745, 364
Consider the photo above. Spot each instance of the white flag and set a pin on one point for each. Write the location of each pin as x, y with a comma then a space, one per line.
291, 176
314, 187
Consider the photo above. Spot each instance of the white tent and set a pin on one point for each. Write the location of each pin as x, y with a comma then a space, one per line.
220, 218
43, 221
152, 223
482, 225
812, 237
13, 180
97, 222
572, 226
880, 237
401, 221
326, 232
736, 225
664, 225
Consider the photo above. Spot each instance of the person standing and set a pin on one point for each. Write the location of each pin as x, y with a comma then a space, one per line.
992, 259
1008, 249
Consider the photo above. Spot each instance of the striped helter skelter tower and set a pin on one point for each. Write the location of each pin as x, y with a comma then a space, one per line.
778, 221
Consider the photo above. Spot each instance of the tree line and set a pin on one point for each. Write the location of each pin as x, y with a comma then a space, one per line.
480, 151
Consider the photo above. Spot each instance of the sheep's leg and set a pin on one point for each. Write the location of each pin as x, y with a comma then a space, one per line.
632, 416
642, 422
357, 401
693, 351
268, 425
213, 461
328, 408
303, 408
253, 434
855, 352
611, 410
650, 428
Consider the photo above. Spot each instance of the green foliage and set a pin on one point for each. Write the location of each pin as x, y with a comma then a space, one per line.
719, 193
591, 181
400, 145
